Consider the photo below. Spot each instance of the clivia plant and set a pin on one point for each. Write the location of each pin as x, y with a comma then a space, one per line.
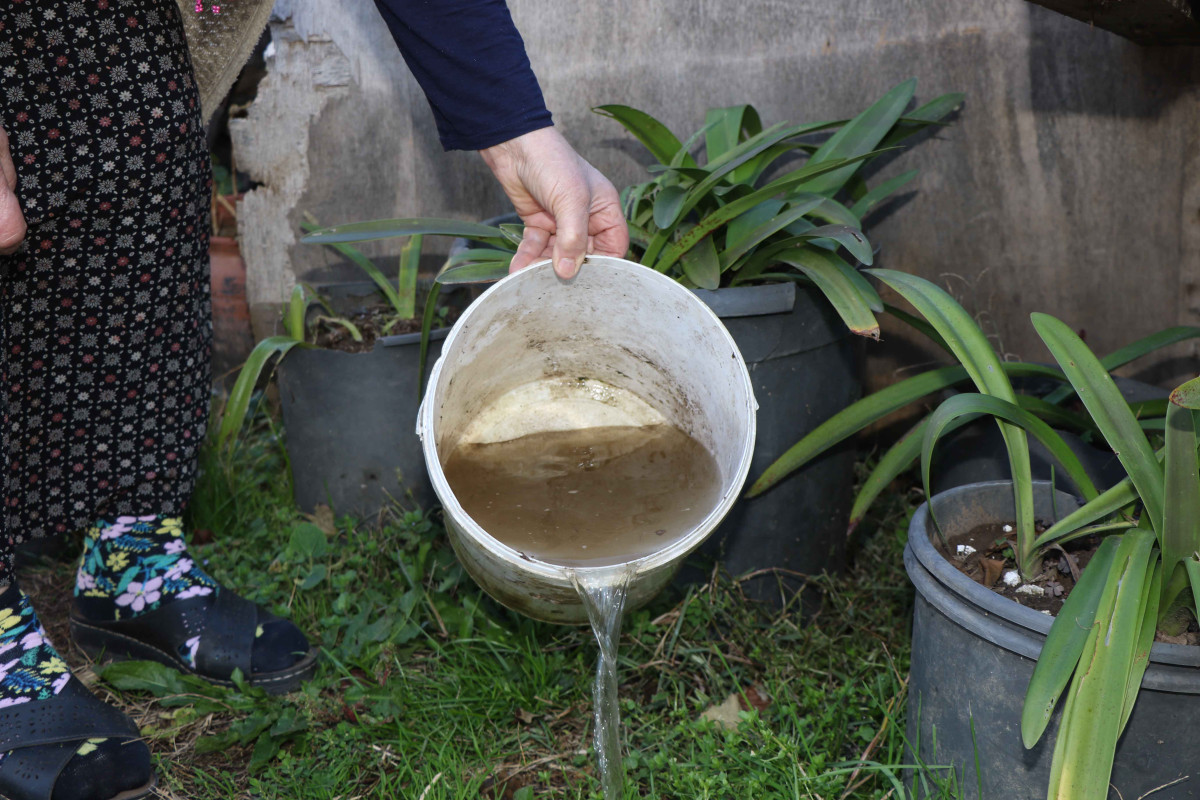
1139, 579
400, 297
746, 213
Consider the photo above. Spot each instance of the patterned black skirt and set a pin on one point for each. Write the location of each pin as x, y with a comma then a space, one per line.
106, 322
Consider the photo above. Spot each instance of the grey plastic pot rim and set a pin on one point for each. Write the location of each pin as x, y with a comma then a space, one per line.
948, 577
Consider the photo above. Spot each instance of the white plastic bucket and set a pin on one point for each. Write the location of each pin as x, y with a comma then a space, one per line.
536, 353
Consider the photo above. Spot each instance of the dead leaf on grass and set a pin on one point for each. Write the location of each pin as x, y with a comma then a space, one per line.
523, 715
755, 697
322, 517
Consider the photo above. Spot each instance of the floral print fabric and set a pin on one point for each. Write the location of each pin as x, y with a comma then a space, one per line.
30, 667
106, 327
137, 564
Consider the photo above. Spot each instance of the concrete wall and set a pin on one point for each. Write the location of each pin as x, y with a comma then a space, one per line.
1070, 182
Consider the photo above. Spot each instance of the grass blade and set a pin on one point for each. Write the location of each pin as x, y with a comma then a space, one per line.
1064, 644
1111, 413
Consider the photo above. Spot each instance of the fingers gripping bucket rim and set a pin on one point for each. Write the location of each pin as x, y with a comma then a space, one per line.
615, 324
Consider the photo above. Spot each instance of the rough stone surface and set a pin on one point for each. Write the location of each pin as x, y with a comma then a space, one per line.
1069, 183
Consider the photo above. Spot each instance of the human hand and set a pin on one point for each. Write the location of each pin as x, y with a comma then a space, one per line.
12, 221
568, 207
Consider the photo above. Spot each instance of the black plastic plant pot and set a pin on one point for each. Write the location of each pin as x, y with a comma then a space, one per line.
974, 652
350, 419
802, 361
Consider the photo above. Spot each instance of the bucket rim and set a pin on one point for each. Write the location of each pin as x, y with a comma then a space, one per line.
559, 573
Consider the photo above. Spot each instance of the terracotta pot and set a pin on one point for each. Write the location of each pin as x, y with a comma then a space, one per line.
232, 337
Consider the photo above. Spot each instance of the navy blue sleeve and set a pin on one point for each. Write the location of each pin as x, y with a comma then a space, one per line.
471, 63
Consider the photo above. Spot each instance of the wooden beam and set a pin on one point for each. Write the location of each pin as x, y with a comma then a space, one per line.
1148, 22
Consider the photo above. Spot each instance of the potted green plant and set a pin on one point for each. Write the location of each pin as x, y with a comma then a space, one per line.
976, 699
349, 385
766, 226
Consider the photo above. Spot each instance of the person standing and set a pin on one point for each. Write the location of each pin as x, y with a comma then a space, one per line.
106, 331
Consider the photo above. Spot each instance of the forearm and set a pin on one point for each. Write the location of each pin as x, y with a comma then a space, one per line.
470, 61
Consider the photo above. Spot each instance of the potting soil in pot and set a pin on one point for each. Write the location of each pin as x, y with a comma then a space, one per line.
593, 499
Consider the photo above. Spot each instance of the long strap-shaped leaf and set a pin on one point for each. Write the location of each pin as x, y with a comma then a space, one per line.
390, 228
367, 266
975, 353
748, 240
907, 449
657, 138
841, 284
703, 189
1111, 413
972, 404
1151, 592
1108, 502
861, 135
1133, 351
869, 201
1064, 644
663, 257
1091, 722
243, 387
1181, 514
858, 415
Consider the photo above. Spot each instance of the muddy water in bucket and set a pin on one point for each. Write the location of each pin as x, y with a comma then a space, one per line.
612, 411
589, 497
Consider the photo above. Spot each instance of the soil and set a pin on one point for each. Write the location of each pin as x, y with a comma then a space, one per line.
373, 324
993, 557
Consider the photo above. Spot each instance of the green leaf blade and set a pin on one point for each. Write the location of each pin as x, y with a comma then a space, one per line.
656, 137
372, 230
1108, 409
1181, 482
1064, 645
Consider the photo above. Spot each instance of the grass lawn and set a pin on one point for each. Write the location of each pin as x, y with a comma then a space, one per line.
429, 690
